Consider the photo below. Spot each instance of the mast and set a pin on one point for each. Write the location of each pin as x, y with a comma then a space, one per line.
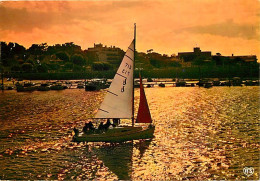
133, 106
2, 67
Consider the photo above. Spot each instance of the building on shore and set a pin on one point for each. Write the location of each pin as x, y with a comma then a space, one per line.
110, 54
190, 56
244, 58
239, 59
198, 57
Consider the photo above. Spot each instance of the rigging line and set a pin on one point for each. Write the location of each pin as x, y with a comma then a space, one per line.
103, 110
112, 93
121, 75
129, 57
130, 49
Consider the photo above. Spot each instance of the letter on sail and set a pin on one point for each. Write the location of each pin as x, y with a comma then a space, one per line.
118, 100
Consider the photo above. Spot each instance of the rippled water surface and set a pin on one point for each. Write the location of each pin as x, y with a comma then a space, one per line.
200, 134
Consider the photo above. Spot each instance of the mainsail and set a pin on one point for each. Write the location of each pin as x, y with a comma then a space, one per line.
143, 115
118, 100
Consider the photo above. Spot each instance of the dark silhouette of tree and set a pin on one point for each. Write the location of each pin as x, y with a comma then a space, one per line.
27, 67
155, 62
42, 68
18, 49
5, 51
71, 48
78, 59
52, 50
173, 64
54, 66
100, 66
91, 56
38, 49
30, 61
68, 66
63, 56
77, 68
10, 53
15, 68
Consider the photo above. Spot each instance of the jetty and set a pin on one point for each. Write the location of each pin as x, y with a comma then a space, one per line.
46, 85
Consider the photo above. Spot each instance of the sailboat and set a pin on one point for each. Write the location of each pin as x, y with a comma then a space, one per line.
119, 103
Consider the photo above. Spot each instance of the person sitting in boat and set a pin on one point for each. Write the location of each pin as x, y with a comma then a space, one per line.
108, 123
88, 127
91, 126
116, 122
76, 131
101, 126
85, 128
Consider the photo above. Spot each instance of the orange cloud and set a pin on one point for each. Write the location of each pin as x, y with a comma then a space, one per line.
167, 26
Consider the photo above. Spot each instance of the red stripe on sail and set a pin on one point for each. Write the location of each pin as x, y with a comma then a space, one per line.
143, 115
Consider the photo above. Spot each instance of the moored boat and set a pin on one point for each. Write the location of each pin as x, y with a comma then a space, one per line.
80, 86
208, 85
58, 86
180, 83
96, 84
161, 85
25, 87
44, 87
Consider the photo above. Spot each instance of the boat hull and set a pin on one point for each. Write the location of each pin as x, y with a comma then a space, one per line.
25, 89
120, 134
92, 88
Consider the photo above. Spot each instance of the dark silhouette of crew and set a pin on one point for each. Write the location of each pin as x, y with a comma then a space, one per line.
89, 127
101, 126
116, 121
85, 128
108, 123
76, 131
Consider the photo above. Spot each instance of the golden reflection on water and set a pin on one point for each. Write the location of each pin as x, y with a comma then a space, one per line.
200, 134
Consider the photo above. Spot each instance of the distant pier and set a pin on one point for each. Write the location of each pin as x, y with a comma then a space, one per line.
42, 85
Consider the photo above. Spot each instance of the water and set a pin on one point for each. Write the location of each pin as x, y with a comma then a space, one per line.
200, 134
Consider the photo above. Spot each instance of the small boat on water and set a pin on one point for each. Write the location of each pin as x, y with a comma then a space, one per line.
44, 87
58, 86
96, 84
208, 85
25, 87
119, 104
161, 85
80, 86
180, 83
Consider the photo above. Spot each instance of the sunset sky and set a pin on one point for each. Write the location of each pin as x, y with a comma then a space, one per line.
167, 26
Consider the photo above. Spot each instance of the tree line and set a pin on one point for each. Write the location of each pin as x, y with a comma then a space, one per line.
42, 58
67, 57
70, 58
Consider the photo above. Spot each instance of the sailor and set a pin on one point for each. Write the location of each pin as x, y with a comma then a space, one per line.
106, 126
116, 122
101, 126
85, 128
76, 131
91, 126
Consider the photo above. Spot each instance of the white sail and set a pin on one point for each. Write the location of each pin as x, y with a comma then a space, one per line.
118, 100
